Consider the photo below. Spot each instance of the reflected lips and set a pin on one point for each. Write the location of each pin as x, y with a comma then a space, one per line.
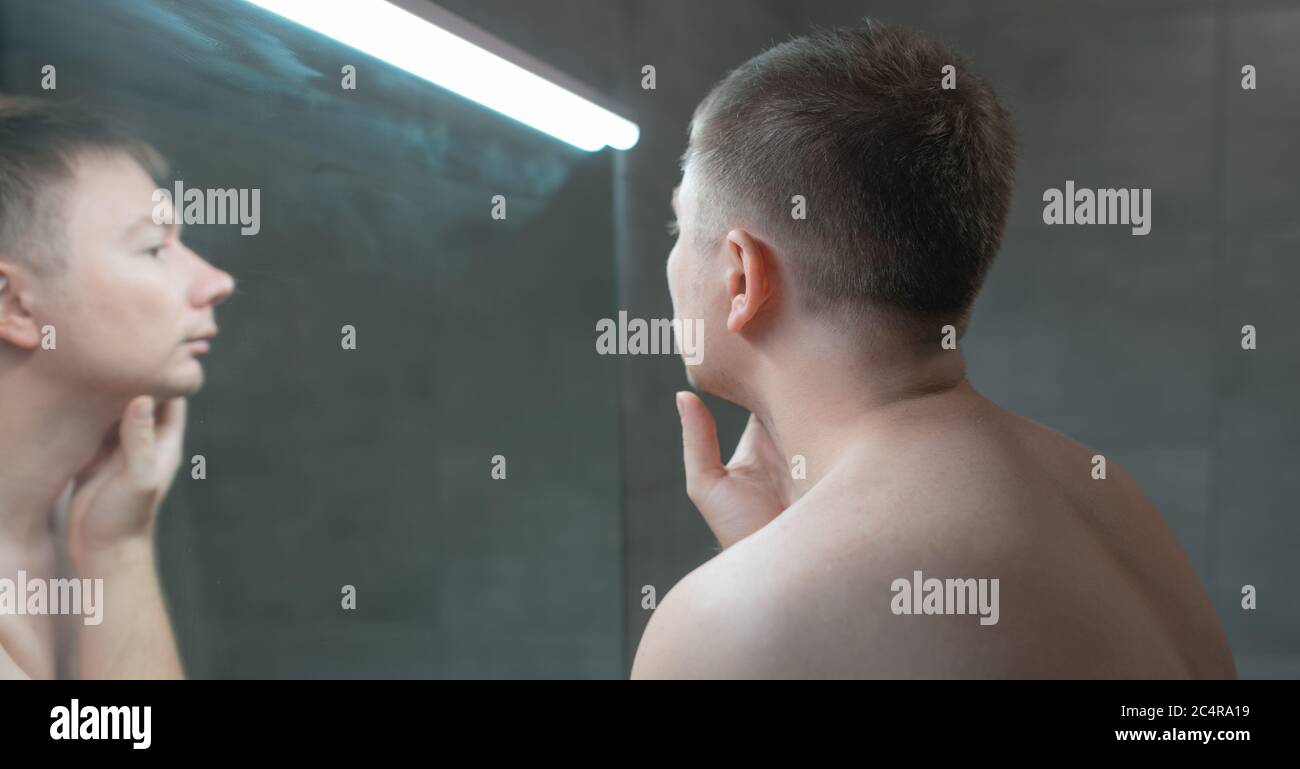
200, 343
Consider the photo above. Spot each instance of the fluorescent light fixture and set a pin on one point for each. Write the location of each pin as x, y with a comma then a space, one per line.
412, 42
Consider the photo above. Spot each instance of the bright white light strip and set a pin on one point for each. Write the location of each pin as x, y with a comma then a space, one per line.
414, 44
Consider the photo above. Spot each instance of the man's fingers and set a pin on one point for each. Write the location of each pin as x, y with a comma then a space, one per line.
700, 452
137, 435
756, 445
172, 415
758, 449
171, 426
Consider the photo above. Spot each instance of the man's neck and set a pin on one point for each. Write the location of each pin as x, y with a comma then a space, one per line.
49, 434
821, 406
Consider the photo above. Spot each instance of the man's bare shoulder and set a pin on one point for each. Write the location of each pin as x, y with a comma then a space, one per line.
775, 606
875, 574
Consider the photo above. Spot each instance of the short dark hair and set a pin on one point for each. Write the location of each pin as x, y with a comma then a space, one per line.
39, 141
907, 184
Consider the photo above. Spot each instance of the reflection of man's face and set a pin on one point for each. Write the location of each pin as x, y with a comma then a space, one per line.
130, 300
696, 284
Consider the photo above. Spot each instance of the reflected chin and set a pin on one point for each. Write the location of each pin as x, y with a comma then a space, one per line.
690, 375
183, 384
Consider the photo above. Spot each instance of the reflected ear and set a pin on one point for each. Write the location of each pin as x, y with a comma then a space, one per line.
17, 326
749, 278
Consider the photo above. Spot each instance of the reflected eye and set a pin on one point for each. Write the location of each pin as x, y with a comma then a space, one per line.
673, 229
156, 251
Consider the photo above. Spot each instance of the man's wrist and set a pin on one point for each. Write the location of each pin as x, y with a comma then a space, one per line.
114, 556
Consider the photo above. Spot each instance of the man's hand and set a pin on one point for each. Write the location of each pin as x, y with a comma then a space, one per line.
111, 519
9, 669
746, 494
116, 497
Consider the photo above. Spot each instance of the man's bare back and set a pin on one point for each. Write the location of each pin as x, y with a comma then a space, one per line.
1092, 582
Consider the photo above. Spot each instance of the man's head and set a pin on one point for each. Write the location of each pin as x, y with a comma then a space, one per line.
81, 254
833, 180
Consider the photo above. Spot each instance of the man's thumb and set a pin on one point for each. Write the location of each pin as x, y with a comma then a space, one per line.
700, 452
137, 437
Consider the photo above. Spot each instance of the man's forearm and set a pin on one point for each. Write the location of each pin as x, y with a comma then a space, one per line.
134, 638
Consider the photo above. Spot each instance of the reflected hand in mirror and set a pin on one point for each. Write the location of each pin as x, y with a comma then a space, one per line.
116, 497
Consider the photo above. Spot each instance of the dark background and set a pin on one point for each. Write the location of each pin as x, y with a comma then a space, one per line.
371, 468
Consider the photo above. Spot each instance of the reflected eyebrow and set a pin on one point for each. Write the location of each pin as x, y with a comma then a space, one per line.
147, 222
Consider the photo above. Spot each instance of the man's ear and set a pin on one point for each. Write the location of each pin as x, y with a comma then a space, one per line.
17, 326
750, 272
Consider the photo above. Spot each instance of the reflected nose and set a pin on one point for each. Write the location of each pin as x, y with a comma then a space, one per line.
213, 286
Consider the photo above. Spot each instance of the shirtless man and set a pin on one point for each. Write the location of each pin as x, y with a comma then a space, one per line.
102, 315
828, 329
